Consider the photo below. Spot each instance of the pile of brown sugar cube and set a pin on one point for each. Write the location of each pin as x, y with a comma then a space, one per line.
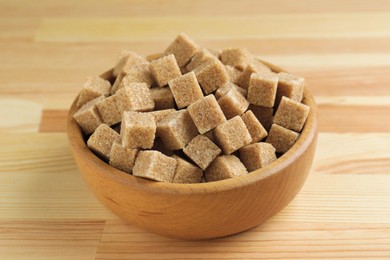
191, 115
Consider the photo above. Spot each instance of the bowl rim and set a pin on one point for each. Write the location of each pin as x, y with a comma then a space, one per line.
306, 137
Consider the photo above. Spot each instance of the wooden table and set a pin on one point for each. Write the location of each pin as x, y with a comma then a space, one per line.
47, 48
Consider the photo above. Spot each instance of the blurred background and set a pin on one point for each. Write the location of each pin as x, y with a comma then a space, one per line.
341, 47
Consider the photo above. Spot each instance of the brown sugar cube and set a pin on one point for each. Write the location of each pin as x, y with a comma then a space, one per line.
161, 114
202, 151
281, 138
290, 86
102, 139
186, 172
258, 155
163, 98
183, 48
177, 130
117, 83
108, 110
254, 126
139, 74
233, 73
93, 88
88, 116
225, 167
210, 136
185, 89
155, 166
233, 103
263, 114
262, 89
199, 58
122, 158
215, 52
236, 57
255, 67
135, 97
138, 130
206, 114
232, 135
211, 75
164, 69
291, 114
127, 61
225, 89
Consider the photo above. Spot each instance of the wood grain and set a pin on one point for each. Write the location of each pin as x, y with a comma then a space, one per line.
341, 47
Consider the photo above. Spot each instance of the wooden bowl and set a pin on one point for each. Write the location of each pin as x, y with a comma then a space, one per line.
203, 210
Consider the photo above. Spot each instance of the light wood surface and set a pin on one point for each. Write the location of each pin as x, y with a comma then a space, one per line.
47, 49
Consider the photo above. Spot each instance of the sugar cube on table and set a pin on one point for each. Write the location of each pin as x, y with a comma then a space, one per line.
88, 116
183, 48
236, 57
108, 110
163, 98
290, 86
262, 89
185, 89
211, 75
255, 66
186, 172
127, 61
135, 97
199, 58
233, 103
255, 128
122, 158
164, 69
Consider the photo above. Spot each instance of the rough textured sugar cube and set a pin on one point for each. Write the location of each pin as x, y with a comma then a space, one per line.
135, 97
122, 158
233, 73
161, 114
202, 151
262, 89
211, 75
263, 114
163, 98
93, 88
177, 130
215, 52
138, 130
155, 166
183, 48
88, 116
128, 60
291, 114
225, 89
108, 110
102, 139
185, 90
225, 167
281, 138
233, 103
164, 69
199, 58
290, 86
139, 74
255, 128
186, 172
236, 57
232, 135
258, 155
117, 83
206, 114
254, 67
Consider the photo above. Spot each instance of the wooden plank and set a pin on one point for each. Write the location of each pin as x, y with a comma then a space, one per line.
18, 115
267, 26
53, 121
39, 179
273, 240
50, 239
